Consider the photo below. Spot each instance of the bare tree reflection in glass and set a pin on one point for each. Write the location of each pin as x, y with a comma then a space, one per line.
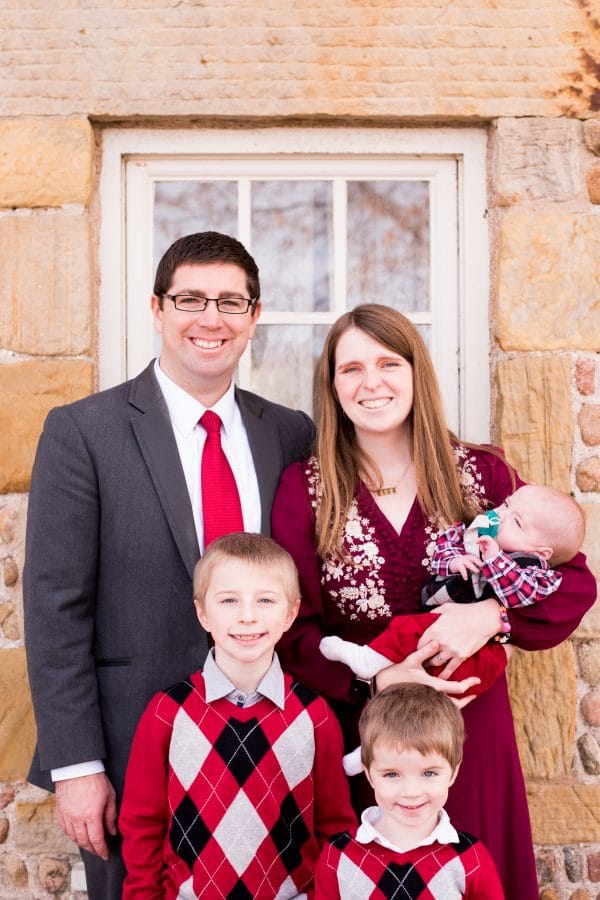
184, 207
388, 244
292, 227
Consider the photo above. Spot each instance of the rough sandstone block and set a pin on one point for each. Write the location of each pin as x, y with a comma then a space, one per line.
17, 870
591, 135
17, 729
537, 159
589, 424
544, 703
45, 284
585, 376
564, 814
548, 293
45, 162
13, 514
53, 875
593, 184
36, 828
588, 475
29, 390
535, 420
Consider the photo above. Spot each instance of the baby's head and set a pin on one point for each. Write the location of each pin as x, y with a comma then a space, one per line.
542, 520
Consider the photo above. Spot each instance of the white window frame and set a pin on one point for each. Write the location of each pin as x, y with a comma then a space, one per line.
133, 160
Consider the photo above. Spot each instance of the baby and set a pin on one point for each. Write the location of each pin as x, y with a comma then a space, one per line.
533, 528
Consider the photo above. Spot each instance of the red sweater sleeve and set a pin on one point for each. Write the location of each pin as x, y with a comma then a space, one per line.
333, 809
553, 619
293, 526
484, 881
144, 815
326, 884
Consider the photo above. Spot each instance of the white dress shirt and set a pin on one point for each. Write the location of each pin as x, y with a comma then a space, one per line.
444, 832
184, 412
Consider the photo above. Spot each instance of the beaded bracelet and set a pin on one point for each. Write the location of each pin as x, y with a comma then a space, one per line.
503, 635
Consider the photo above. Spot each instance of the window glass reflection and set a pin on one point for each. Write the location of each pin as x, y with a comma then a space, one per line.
388, 244
284, 358
185, 207
292, 242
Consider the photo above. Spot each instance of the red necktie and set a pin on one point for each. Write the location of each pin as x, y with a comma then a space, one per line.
221, 507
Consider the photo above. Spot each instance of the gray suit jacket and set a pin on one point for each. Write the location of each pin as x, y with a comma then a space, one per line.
110, 551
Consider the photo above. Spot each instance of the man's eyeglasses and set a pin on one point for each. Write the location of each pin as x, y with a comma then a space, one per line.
233, 306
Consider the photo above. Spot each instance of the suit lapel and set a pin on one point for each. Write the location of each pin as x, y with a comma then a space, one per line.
158, 447
266, 451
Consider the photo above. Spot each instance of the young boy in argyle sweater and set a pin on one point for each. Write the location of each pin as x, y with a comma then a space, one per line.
235, 777
405, 847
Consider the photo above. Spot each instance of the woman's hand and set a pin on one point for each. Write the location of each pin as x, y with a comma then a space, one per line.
461, 629
411, 669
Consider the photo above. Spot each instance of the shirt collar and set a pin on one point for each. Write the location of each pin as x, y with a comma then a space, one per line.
185, 410
444, 832
217, 685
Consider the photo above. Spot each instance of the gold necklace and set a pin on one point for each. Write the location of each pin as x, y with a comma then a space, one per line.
385, 491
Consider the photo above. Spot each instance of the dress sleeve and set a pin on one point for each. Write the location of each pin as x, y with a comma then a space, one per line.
144, 816
333, 809
549, 622
293, 527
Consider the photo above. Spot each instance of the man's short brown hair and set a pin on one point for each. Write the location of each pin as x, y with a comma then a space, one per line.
412, 717
255, 549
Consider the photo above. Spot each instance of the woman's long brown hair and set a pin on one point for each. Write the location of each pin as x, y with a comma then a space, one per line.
341, 461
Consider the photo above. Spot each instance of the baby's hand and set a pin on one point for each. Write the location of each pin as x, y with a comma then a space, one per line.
462, 565
489, 547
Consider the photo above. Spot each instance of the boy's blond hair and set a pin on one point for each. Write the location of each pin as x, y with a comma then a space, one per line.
255, 549
560, 519
412, 717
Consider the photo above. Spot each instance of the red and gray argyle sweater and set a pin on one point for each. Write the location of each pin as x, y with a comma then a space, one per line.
350, 870
228, 802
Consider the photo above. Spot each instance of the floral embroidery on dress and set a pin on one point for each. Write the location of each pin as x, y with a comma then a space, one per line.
362, 551
473, 488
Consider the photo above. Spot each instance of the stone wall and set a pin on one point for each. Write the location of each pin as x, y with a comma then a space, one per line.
271, 58
547, 380
530, 72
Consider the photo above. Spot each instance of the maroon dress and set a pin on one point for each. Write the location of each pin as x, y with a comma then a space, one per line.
356, 602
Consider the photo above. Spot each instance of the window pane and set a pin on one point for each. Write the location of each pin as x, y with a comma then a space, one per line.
283, 363
388, 244
292, 242
184, 207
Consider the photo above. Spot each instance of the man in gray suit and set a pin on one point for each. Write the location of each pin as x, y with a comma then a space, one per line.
115, 526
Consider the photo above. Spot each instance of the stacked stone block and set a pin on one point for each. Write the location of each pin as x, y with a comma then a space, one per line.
547, 335
46, 345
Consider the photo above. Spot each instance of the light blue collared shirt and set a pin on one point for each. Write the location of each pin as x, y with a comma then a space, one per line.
218, 685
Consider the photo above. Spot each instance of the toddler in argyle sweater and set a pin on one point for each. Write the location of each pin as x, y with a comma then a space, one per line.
406, 847
503, 554
235, 777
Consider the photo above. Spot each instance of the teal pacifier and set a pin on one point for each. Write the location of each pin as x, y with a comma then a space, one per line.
491, 529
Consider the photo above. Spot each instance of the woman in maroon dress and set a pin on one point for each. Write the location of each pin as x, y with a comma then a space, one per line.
360, 519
